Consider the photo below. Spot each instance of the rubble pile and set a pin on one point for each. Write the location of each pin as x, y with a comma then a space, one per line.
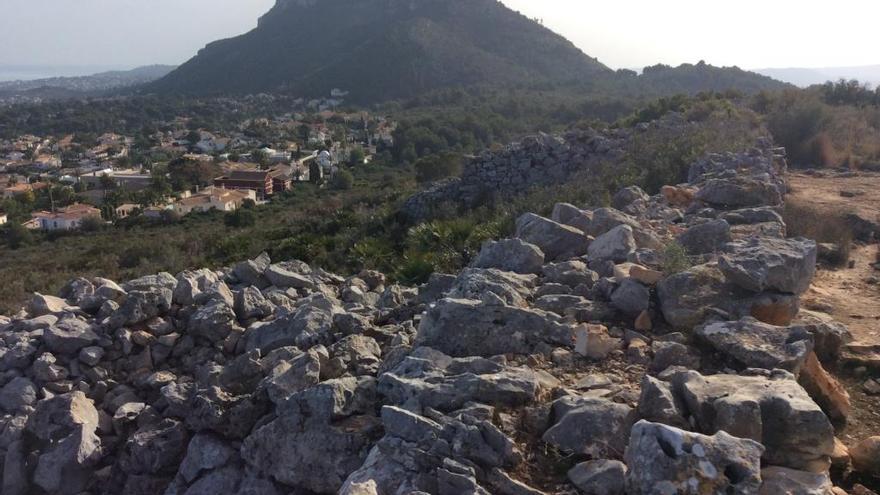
569, 359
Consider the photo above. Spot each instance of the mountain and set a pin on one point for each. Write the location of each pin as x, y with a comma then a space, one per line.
95, 82
808, 77
380, 50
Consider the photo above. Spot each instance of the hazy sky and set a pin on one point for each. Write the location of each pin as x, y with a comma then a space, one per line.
621, 33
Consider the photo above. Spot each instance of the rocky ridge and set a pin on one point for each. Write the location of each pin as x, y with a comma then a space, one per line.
570, 359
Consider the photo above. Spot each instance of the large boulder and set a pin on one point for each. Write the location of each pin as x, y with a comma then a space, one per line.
477, 283
68, 336
323, 435
64, 428
631, 297
778, 480
615, 245
140, 306
283, 278
749, 343
599, 477
767, 263
708, 237
557, 241
511, 255
307, 326
250, 272
740, 192
590, 426
775, 411
461, 327
666, 460
690, 298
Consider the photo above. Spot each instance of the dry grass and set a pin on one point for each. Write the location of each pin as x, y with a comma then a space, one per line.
824, 225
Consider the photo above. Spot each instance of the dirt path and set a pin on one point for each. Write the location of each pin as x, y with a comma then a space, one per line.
851, 295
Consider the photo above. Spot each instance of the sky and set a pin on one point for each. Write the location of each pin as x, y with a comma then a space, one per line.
620, 33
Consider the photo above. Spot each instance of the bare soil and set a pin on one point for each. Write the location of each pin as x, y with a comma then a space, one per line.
850, 294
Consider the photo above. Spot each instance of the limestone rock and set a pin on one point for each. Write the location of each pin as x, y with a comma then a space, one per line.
512, 255
557, 241
461, 327
590, 426
599, 477
708, 237
766, 263
615, 245
752, 344
664, 459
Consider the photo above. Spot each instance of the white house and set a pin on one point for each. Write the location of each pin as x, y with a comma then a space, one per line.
69, 218
3, 218
214, 198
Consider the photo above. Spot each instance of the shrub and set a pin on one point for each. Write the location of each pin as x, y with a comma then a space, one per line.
435, 167
16, 236
675, 259
91, 224
343, 180
822, 225
239, 218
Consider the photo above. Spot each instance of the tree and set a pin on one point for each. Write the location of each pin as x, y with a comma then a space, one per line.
107, 182
16, 235
343, 180
91, 224
356, 156
193, 137
242, 217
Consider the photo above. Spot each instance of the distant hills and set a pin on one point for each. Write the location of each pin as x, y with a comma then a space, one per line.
95, 84
391, 49
807, 77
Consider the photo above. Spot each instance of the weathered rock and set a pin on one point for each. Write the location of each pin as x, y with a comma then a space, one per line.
590, 426
664, 459
43, 305
511, 255
594, 341
831, 396
140, 306
631, 298
752, 344
68, 336
693, 296
829, 336
708, 237
16, 394
155, 449
557, 241
766, 263
614, 245
290, 376
784, 481
774, 411
573, 216
303, 328
250, 272
213, 321
740, 192
628, 196
657, 403
477, 283
489, 329
282, 278
865, 456
599, 477
330, 415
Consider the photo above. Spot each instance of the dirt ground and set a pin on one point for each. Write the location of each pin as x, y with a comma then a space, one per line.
857, 193
850, 294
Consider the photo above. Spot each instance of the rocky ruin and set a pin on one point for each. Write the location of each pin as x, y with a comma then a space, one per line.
565, 360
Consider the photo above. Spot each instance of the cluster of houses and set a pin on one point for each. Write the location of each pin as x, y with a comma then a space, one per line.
251, 168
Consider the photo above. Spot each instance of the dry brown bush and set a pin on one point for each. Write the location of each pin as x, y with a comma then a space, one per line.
823, 225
